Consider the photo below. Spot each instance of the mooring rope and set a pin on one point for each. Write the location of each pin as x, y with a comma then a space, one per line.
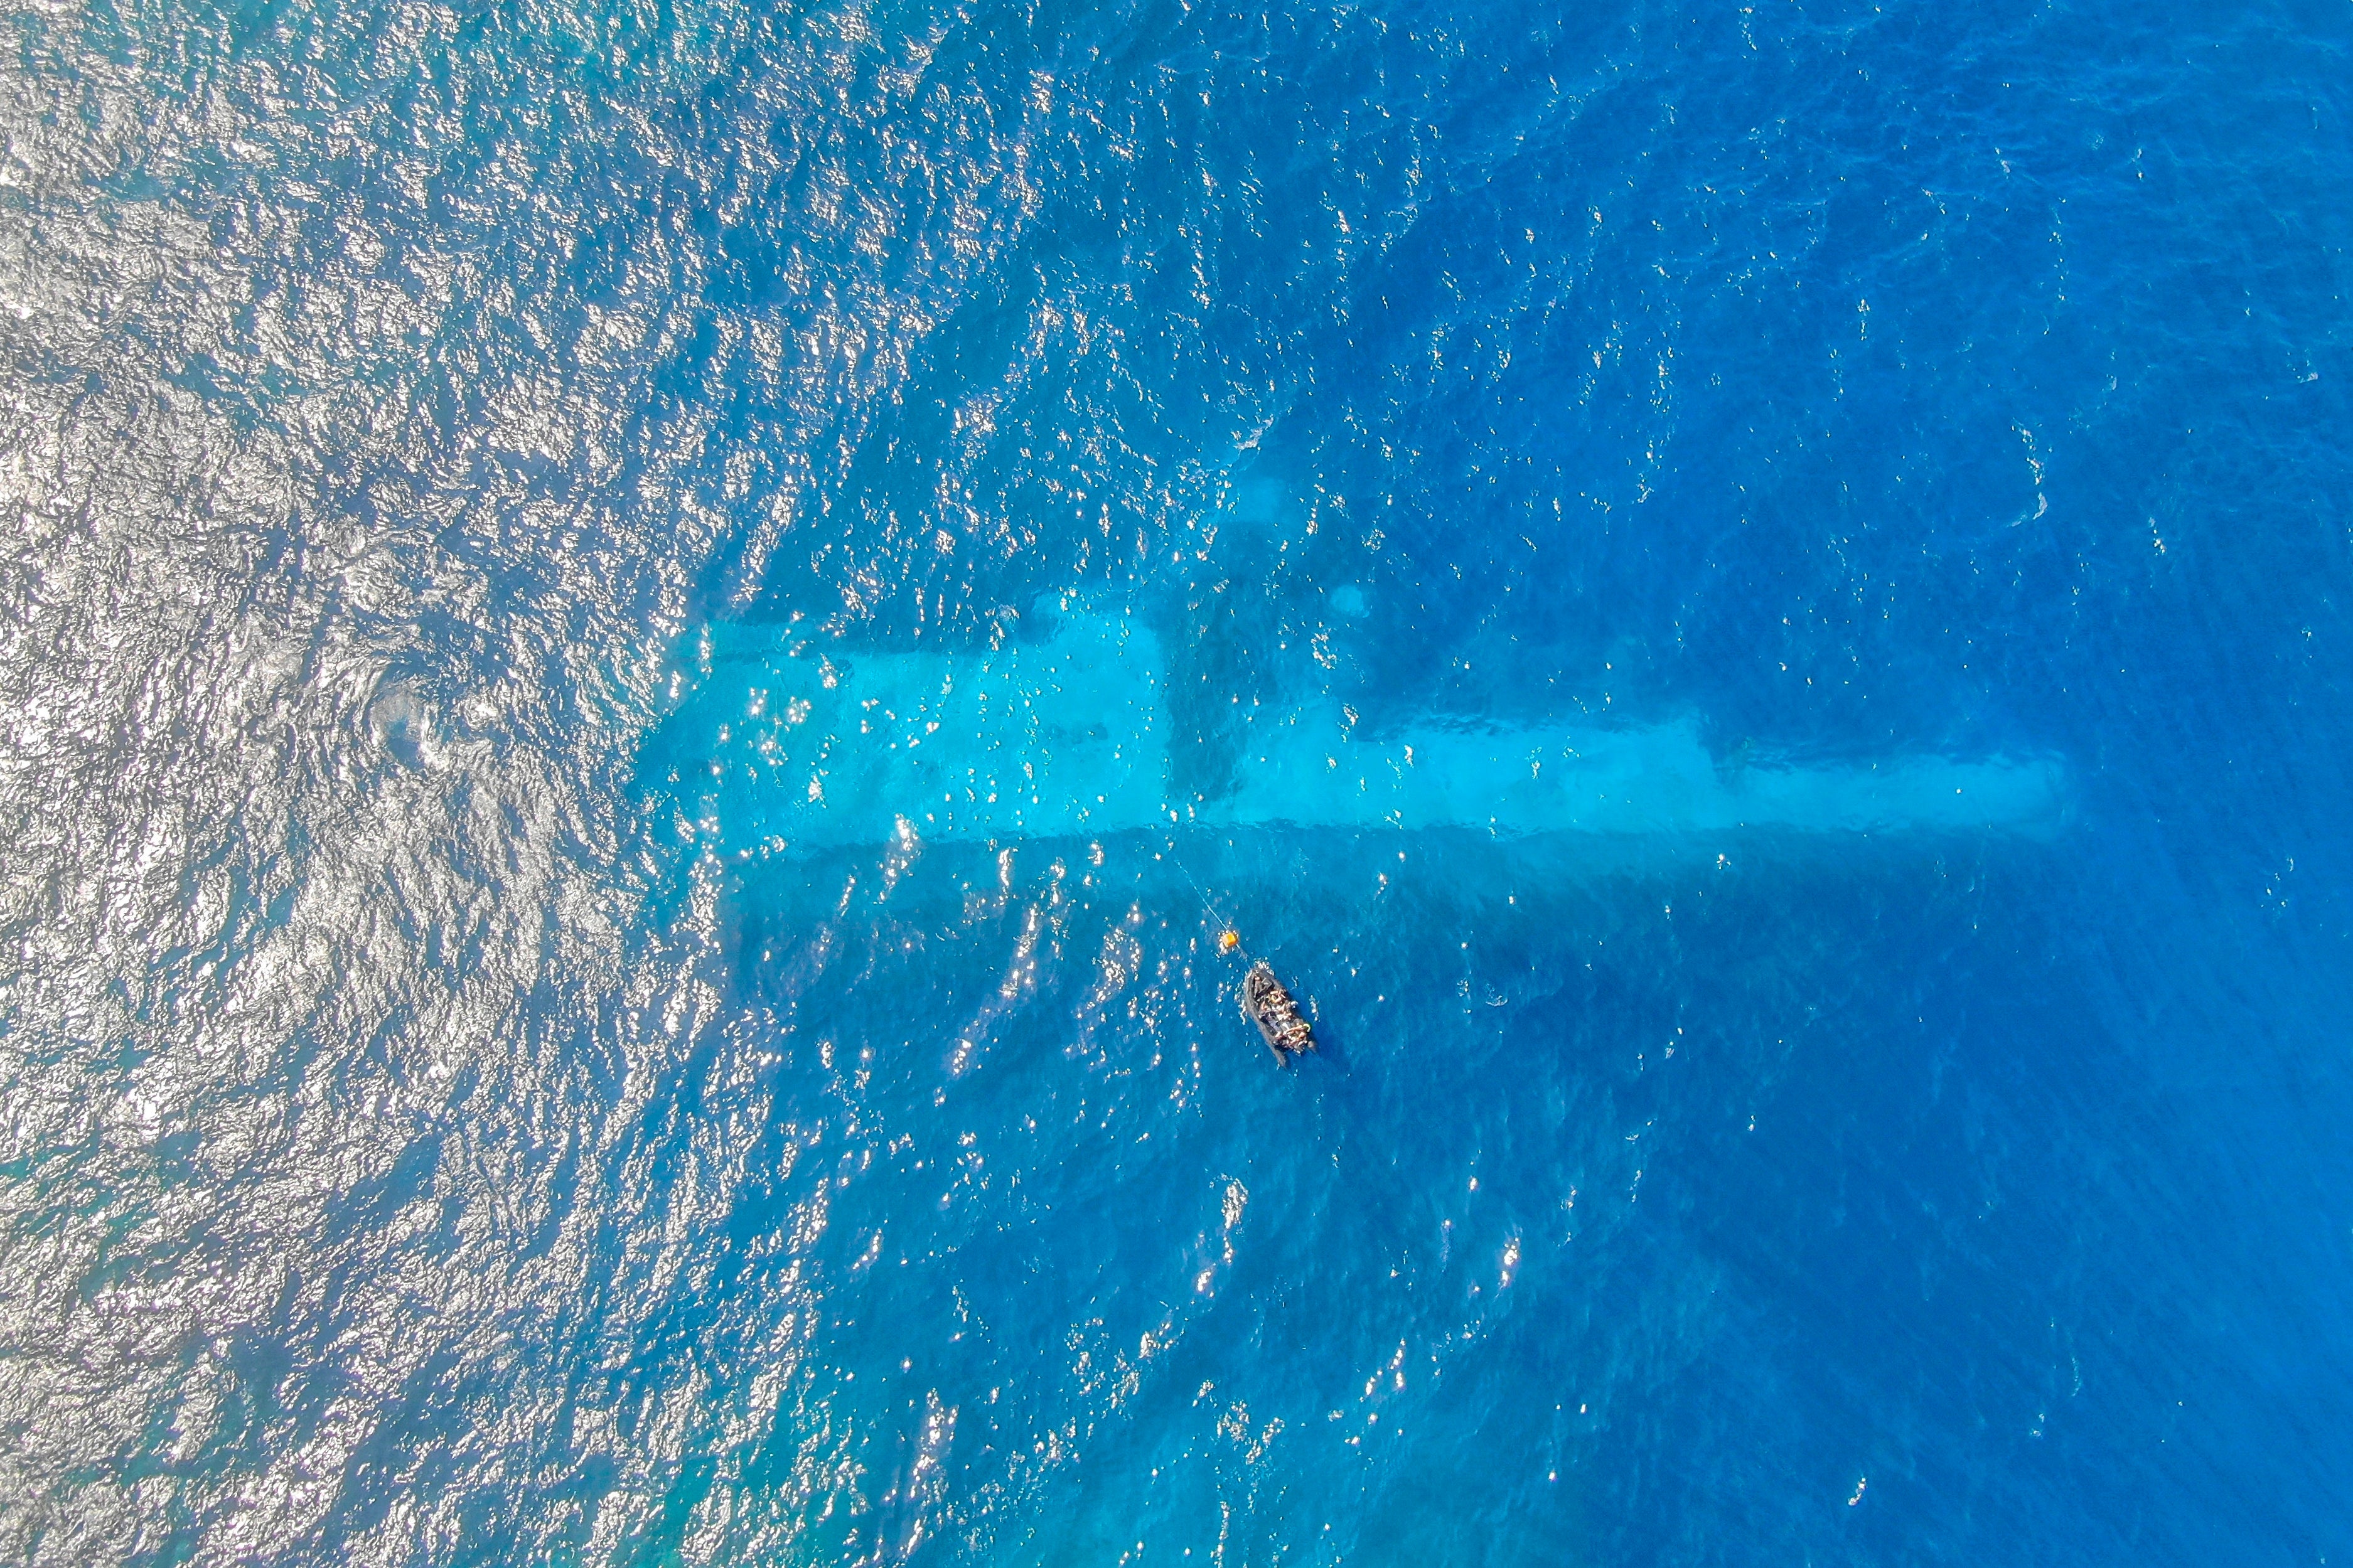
1229, 936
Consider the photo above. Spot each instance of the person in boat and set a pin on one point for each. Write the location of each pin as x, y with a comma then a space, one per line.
1276, 1013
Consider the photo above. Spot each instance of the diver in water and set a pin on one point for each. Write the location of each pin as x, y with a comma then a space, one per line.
1266, 1004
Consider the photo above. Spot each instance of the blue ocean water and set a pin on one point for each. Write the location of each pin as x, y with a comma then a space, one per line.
504, 1058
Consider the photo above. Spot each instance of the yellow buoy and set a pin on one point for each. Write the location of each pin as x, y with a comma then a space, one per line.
1229, 940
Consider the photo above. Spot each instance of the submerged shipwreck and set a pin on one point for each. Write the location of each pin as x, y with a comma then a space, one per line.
791, 745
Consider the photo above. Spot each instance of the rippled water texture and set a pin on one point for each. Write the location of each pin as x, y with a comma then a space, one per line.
645, 647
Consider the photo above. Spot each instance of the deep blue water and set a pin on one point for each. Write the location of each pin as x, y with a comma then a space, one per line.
451, 1117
